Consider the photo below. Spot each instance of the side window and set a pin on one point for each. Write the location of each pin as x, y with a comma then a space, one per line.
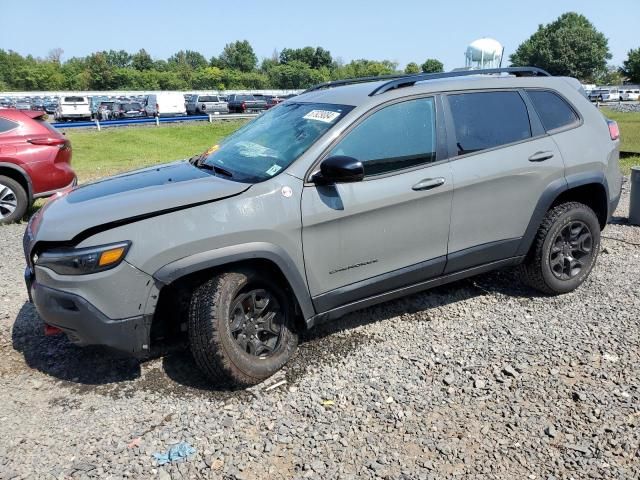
6, 125
399, 136
554, 112
488, 119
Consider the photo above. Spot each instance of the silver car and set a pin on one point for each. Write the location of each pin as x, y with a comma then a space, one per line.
353, 193
205, 104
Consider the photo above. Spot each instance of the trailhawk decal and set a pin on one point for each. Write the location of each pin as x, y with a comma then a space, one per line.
356, 265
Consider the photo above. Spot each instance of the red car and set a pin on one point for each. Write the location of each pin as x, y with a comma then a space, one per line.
273, 101
35, 162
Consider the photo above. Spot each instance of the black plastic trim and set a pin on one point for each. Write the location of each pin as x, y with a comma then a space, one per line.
553, 190
84, 324
403, 291
379, 284
481, 254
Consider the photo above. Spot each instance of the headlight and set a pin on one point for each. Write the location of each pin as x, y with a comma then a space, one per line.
80, 261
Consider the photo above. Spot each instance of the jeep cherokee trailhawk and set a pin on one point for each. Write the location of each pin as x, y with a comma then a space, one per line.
350, 194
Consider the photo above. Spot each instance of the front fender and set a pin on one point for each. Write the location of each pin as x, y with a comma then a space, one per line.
235, 253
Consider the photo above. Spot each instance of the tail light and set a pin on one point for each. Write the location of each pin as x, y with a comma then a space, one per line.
614, 130
244, 106
50, 142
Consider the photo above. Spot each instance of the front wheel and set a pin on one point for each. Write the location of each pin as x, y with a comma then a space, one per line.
241, 328
564, 250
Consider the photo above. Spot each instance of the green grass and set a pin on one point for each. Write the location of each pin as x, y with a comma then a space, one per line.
630, 135
114, 150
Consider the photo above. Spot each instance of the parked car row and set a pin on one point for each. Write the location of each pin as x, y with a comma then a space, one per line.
236, 103
47, 104
614, 94
111, 107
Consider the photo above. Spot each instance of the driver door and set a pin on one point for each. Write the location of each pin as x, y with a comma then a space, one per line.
391, 229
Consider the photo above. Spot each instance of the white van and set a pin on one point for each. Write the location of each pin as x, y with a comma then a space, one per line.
630, 94
72, 107
165, 104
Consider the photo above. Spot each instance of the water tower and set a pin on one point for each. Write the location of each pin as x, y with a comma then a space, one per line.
484, 53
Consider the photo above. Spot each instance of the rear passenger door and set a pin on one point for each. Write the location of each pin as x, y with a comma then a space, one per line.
502, 162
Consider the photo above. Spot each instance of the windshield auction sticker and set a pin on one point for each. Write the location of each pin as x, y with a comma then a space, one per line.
273, 170
325, 116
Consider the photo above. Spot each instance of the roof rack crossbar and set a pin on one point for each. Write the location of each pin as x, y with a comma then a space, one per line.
408, 80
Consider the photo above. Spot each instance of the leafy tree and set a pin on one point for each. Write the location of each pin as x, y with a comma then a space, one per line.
431, 65
101, 74
117, 59
142, 60
631, 66
570, 46
267, 64
208, 78
315, 58
239, 55
365, 68
189, 59
296, 74
612, 76
412, 67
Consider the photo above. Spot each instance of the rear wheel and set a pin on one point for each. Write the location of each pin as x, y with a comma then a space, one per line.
241, 328
564, 251
13, 200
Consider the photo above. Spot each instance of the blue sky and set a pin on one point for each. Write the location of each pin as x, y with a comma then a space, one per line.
402, 30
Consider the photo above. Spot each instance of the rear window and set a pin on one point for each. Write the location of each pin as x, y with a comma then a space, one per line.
554, 111
75, 99
488, 119
6, 125
245, 97
132, 106
208, 99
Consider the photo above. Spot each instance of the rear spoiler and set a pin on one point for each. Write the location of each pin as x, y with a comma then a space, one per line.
34, 113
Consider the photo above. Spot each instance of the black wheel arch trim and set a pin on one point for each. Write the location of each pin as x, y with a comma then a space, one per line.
551, 193
23, 173
237, 253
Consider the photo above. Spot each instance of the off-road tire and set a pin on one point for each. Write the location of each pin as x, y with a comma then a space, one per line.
212, 345
536, 270
20, 196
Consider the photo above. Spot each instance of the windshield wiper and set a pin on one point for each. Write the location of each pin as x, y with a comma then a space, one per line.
215, 168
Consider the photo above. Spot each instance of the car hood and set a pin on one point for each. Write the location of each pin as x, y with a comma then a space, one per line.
127, 198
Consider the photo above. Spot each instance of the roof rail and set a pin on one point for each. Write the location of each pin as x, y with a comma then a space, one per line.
408, 80
351, 81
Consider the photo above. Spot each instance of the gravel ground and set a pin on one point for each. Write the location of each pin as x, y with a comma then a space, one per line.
625, 107
479, 379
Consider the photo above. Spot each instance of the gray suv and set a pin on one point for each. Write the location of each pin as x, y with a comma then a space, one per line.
353, 193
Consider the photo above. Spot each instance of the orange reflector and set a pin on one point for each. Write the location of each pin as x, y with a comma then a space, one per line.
110, 256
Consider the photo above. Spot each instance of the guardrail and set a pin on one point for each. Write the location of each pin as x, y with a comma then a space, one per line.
157, 120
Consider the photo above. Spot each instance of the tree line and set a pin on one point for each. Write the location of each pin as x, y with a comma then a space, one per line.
569, 46
236, 67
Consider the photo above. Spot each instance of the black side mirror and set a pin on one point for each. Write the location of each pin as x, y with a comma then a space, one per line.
339, 169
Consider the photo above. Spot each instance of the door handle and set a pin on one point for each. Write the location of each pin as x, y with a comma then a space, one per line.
428, 183
540, 156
